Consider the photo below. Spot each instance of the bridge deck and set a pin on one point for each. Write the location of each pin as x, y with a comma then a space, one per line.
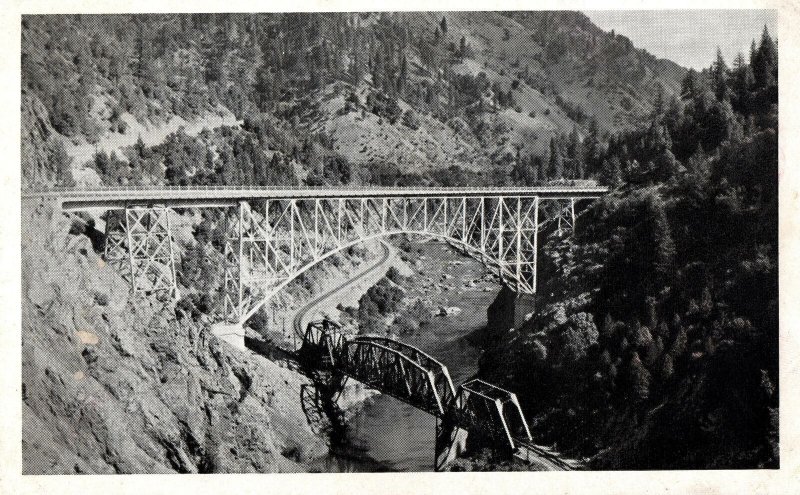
213, 196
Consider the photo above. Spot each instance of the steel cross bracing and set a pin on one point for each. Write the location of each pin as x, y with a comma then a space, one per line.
492, 411
270, 242
399, 370
139, 244
276, 234
414, 377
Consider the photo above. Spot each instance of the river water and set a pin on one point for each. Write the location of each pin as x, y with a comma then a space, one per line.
387, 434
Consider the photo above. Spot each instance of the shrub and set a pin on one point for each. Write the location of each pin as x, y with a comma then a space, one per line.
384, 106
394, 275
385, 296
259, 321
411, 120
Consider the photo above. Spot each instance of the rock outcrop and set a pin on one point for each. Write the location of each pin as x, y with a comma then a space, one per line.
113, 383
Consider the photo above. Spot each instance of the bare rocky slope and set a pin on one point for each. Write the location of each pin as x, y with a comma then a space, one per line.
115, 383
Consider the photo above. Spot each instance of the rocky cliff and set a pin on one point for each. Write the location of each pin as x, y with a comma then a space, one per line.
113, 383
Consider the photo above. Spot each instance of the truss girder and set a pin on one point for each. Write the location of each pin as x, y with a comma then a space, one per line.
269, 242
492, 411
443, 384
415, 377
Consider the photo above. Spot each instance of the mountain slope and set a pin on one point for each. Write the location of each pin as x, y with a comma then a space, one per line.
480, 90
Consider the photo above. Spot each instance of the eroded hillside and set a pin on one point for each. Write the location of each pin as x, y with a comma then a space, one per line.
117, 383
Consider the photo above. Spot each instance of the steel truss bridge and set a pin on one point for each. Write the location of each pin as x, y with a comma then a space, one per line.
273, 235
407, 373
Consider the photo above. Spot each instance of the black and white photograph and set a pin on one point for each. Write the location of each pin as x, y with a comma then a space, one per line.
399, 241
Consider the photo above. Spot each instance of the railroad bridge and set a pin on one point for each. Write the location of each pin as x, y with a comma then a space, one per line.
275, 234
490, 415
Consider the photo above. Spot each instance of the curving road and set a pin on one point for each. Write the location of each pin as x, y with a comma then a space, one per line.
301, 313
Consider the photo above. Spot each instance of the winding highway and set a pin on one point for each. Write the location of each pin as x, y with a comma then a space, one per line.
301, 313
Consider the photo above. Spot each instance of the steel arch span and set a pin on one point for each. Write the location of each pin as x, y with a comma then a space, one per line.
271, 242
275, 234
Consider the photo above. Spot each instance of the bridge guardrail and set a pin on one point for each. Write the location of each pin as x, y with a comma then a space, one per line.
366, 188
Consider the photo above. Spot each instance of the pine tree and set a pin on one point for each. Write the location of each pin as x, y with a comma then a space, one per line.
611, 173
140, 148
638, 380
667, 367
264, 87
743, 80
402, 77
653, 352
534, 165
542, 172
612, 373
652, 315
209, 163
555, 168
658, 103
623, 345
607, 329
575, 154
662, 330
765, 62
60, 161
679, 344
706, 302
356, 67
605, 360
690, 85
719, 77
663, 243
641, 335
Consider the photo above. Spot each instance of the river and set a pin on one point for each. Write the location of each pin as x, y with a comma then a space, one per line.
387, 434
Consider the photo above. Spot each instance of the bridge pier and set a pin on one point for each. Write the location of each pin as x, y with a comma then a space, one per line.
524, 306
139, 244
509, 309
451, 442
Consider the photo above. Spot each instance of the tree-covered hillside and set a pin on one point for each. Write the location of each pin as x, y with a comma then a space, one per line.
406, 93
655, 341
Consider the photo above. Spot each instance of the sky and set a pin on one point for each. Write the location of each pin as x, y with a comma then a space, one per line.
689, 37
